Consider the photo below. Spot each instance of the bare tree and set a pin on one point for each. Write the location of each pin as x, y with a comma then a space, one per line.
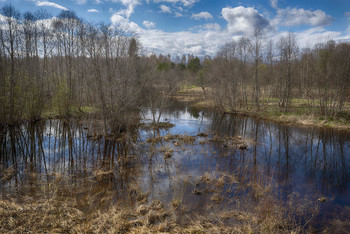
10, 39
288, 52
243, 56
66, 31
333, 71
257, 47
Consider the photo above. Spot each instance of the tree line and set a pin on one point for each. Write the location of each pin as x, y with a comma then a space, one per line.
252, 72
64, 64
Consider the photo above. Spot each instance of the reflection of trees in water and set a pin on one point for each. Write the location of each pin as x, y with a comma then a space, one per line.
176, 109
38, 152
318, 154
292, 155
328, 161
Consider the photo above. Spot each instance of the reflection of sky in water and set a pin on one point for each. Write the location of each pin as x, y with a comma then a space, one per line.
304, 160
185, 123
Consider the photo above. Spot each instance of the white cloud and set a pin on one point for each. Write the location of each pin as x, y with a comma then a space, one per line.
148, 24
274, 3
299, 16
127, 2
180, 8
130, 6
128, 11
186, 3
202, 15
81, 2
50, 4
93, 11
2, 18
184, 42
97, 2
205, 41
165, 9
214, 26
316, 35
207, 27
208, 38
178, 14
125, 24
117, 19
244, 20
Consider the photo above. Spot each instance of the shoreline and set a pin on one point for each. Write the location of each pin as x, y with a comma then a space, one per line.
195, 98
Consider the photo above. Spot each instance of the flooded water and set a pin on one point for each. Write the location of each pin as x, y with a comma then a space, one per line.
307, 168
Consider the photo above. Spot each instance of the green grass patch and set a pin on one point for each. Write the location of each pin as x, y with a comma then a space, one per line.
188, 88
50, 113
53, 112
89, 109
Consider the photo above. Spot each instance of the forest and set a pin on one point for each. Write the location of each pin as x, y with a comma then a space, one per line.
63, 65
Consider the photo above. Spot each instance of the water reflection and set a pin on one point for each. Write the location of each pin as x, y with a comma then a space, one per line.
304, 161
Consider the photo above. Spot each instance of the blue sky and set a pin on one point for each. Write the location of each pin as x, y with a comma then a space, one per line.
201, 26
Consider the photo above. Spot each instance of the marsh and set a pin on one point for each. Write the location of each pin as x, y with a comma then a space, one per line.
194, 175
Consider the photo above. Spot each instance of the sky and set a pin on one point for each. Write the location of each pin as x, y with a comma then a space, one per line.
201, 27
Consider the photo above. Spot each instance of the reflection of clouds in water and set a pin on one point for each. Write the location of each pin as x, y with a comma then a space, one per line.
170, 175
315, 160
185, 122
177, 115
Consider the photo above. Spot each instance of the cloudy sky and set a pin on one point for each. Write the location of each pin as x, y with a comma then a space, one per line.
200, 27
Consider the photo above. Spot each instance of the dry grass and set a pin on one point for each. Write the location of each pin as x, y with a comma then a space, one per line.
252, 207
237, 142
176, 139
56, 217
157, 126
195, 97
261, 212
7, 174
167, 151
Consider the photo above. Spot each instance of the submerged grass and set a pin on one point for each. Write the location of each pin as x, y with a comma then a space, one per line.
57, 212
156, 126
244, 201
202, 138
108, 200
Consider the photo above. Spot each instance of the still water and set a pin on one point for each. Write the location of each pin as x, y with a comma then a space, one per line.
306, 167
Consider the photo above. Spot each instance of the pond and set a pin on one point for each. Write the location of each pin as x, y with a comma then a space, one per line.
207, 162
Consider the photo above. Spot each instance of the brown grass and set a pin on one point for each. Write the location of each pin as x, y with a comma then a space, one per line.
77, 208
7, 174
60, 213
167, 151
176, 139
237, 142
